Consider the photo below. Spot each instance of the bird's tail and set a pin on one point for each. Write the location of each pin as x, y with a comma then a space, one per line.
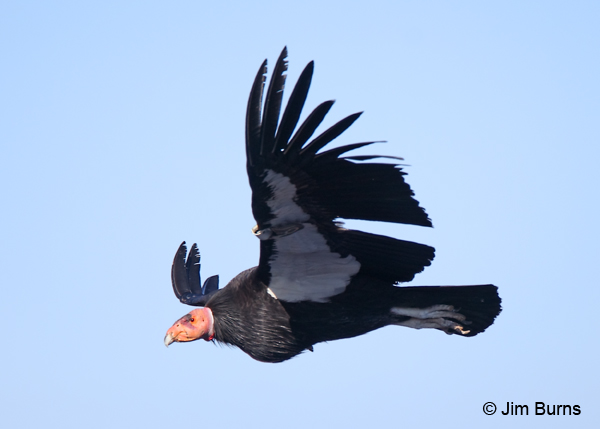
462, 310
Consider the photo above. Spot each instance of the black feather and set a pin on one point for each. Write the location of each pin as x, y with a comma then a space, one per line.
386, 258
307, 129
192, 268
326, 137
332, 154
210, 285
292, 112
253, 113
179, 276
273, 104
185, 277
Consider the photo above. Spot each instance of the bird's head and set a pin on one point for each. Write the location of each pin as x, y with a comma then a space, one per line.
193, 326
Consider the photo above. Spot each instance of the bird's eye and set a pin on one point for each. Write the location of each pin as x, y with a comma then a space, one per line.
192, 320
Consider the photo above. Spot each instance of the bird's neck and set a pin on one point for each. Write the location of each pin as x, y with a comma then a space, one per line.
210, 331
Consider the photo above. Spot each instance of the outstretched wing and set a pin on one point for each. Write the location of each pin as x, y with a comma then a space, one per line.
299, 190
185, 277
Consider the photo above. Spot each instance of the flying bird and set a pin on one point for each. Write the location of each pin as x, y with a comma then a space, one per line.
316, 280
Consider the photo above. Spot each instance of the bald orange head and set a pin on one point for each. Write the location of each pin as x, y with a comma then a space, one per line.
193, 326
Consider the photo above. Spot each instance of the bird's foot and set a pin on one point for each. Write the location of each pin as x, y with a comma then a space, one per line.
443, 317
274, 231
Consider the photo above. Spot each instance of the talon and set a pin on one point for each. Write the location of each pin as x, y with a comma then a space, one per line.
279, 231
461, 330
443, 317
262, 234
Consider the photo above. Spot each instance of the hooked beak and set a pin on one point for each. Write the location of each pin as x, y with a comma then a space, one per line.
169, 339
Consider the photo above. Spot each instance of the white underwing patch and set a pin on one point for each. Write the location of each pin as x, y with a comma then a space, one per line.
303, 267
282, 204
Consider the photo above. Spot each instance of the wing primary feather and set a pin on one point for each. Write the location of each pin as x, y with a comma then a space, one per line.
328, 135
294, 107
307, 128
336, 152
253, 113
369, 157
210, 285
185, 276
192, 267
273, 104
179, 276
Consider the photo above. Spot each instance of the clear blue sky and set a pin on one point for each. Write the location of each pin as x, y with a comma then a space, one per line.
121, 135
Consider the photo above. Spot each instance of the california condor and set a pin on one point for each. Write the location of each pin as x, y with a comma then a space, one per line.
316, 280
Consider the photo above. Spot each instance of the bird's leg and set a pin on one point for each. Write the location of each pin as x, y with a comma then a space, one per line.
442, 317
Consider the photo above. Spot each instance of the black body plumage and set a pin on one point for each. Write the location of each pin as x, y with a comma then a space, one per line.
317, 281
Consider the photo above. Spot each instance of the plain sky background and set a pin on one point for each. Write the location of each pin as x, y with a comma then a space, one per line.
122, 134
